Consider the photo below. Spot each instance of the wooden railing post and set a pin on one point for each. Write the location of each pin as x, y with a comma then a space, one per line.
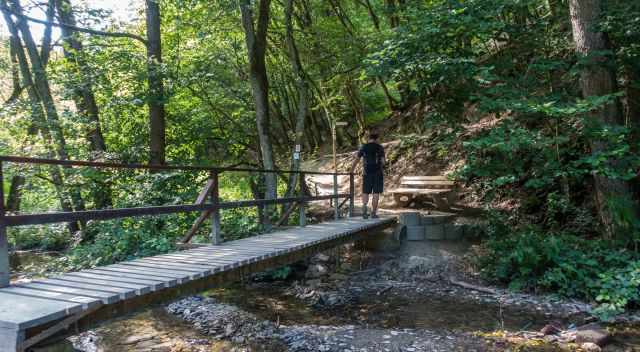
352, 193
215, 211
5, 272
336, 201
301, 206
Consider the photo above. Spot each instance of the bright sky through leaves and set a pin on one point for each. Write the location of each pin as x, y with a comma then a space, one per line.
121, 11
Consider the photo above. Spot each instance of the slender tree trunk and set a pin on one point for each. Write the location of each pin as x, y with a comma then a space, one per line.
632, 89
15, 73
303, 104
356, 104
372, 15
84, 98
15, 193
598, 79
156, 86
256, 41
45, 49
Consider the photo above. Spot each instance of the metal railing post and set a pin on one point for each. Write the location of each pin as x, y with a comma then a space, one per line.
336, 201
301, 206
352, 193
215, 212
5, 271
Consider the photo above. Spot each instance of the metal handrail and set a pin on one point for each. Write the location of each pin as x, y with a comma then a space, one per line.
213, 207
100, 164
106, 214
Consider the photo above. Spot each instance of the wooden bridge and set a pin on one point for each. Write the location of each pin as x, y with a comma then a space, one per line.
33, 312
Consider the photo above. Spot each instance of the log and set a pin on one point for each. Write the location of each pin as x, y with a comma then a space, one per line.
469, 286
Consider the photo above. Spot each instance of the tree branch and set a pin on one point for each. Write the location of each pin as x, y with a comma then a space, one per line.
76, 28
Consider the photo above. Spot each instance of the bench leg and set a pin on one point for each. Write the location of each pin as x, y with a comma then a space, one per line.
11, 340
452, 198
441, 202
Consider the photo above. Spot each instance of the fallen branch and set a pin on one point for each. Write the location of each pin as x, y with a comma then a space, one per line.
469, 286
384, 290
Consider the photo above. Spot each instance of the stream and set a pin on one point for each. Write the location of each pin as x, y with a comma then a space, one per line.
366, 302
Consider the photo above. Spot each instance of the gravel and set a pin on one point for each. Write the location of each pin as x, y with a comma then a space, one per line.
223, 321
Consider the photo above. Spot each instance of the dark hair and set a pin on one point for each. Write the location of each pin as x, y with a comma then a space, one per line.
374, 135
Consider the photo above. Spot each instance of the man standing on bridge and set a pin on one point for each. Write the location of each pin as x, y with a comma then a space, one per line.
372, 177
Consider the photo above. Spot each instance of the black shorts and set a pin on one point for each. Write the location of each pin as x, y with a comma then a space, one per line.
372, 182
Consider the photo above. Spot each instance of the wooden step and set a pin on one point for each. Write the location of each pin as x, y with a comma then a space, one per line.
403, 190
426, 183
426, 178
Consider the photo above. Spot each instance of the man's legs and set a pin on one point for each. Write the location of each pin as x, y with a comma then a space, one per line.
374, 204
365, 203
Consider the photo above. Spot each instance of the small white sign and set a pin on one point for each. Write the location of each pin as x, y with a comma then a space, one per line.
298, 148
296, 156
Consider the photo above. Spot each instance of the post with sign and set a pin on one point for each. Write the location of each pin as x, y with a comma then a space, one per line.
336, 201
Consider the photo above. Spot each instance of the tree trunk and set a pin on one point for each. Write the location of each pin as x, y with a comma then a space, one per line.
353, 96
38, 115
303, 104
45, 49
84, 98
15, 193
632, 89
256, 40
156, 87
597, 78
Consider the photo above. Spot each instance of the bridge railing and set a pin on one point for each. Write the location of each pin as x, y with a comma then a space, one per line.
208, 209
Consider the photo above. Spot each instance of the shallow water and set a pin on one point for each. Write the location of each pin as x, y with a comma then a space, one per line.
427, 312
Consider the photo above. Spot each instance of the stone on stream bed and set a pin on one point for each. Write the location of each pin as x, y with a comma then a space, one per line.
231, 323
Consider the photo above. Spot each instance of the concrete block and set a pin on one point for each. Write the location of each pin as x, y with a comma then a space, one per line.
434, 232
400, 233
435, 219
453, 231
415, 233
410, 219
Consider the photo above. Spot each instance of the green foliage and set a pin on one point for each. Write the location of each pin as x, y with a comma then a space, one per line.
281, 273
50, 238
596, 270
117, 241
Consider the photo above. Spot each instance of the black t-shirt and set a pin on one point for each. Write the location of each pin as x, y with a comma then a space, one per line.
372, 154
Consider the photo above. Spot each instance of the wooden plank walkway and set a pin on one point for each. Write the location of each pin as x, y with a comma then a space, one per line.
38, 303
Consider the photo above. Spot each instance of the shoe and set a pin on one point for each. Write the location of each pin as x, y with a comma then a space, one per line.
365, 216
374, 216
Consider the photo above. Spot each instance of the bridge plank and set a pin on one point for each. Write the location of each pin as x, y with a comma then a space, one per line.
175, 265
23, 312
180, 276
154, 283
213, 259
84, 302
125, 293
106, 297
139, 289
168, 281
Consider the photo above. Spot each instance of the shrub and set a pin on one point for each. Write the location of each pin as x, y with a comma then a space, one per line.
596, 270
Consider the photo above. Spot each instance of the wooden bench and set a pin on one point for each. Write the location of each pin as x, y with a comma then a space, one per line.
438, 189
